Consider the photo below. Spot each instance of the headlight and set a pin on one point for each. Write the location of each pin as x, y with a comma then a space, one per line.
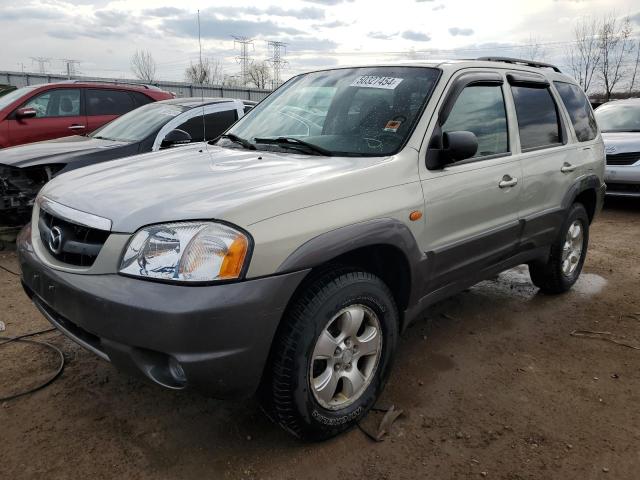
186, 252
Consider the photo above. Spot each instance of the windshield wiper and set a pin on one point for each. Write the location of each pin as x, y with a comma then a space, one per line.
236, 139
296, 143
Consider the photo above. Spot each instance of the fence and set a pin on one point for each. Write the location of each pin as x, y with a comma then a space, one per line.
181, 89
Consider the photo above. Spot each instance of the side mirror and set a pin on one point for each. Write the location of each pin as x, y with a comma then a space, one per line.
28, 112
176, 137
458, 146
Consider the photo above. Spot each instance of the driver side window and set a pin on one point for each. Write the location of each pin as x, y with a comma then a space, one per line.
480, 109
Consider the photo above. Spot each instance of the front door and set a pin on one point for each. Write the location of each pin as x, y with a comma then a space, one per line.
58, 114
471, 206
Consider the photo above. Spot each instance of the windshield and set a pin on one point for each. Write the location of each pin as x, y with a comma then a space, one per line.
356, 111
138, 124
619, 118
14, 95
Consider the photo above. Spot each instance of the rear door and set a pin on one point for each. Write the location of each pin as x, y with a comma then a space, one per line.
548, 157
103, 105
471, 206
59, 113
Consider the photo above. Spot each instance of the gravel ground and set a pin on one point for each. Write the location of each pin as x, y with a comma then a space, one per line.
491, 381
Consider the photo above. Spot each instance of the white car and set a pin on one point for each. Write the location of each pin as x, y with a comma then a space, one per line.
620, 125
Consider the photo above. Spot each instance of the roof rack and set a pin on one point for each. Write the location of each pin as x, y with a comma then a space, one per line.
520, 61
112, 82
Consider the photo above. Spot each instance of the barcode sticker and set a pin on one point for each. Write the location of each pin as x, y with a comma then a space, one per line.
374, 81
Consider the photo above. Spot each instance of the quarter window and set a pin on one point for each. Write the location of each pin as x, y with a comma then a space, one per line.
214, 125
538, 121
577, 104
480, 109
108, 102
56, 103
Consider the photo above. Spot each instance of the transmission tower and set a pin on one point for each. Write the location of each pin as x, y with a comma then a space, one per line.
278, 50
244, 59
70, 66
41, 61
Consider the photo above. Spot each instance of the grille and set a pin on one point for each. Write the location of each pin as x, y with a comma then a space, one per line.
69, 242
623, 158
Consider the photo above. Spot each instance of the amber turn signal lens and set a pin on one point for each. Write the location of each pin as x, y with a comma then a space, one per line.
415, 215
234, 259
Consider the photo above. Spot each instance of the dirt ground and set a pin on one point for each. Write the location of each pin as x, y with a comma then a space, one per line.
491, 381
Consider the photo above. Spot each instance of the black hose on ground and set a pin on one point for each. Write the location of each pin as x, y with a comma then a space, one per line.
56, 374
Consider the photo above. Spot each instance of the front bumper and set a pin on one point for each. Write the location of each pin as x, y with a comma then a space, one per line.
623, 180
219, 335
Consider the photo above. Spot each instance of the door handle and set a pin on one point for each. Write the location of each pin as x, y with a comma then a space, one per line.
77, 127
567, 168
508, 181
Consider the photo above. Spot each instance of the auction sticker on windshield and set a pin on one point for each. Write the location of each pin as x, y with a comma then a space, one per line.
374, 81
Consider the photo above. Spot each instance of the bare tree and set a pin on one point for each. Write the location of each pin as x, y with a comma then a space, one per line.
534, 50
632, 83
143, 65
584, 54
259, 74
231, 81
615, 45
209, 72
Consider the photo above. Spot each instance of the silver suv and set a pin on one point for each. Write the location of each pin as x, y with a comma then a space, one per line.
286, 257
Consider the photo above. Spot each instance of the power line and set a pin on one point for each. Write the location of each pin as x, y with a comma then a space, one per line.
41, 61
278, 50
243, 58
70, 66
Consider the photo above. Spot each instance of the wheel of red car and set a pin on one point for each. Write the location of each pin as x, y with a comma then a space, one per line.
332, 355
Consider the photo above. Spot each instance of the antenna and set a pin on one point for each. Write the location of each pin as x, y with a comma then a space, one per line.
279, 50
243, 58
204, 128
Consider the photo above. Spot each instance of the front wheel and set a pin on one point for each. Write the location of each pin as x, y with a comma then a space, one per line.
332, 355
563, 267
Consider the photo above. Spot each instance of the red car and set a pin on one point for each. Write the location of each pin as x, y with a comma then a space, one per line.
53, 110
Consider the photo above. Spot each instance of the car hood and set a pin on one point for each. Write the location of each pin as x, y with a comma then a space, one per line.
200, 182
61, 150
621, 142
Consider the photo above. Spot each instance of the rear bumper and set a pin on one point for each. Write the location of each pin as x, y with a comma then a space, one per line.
213, 338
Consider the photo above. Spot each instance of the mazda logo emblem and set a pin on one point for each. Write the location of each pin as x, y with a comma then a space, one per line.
55, 240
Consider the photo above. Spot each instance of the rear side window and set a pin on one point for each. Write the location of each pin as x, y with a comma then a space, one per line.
214, 125
64, 102
140, 98
108, 102
577, 104
538, 121
480, 109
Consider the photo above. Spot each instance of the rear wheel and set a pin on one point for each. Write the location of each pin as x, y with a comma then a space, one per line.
332, 355
563, 267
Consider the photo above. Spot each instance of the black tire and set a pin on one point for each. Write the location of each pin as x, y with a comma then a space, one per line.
286, 393
548, 276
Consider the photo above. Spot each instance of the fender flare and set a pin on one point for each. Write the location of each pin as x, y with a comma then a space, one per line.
588, 182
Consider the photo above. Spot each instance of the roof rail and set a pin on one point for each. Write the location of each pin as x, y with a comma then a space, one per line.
112, 82
520, 61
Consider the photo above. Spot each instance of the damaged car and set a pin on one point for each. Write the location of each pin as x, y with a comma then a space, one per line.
26, 168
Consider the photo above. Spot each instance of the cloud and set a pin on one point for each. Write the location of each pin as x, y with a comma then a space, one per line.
635, 18
381, 35
329, 2
416, 36
455, 31
438, 7
302, 43
334, 24
30, 13
163, 12
423, 1
222, 29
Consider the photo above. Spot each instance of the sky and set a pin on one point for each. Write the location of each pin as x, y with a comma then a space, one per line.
102, 35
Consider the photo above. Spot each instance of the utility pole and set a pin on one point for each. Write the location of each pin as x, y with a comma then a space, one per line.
70, 66
21, 65
243, 58
278, 50
41, 61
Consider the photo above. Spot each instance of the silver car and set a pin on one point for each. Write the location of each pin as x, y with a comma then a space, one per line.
620, 124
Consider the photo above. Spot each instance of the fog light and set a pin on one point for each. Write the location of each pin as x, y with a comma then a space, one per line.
176, 370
